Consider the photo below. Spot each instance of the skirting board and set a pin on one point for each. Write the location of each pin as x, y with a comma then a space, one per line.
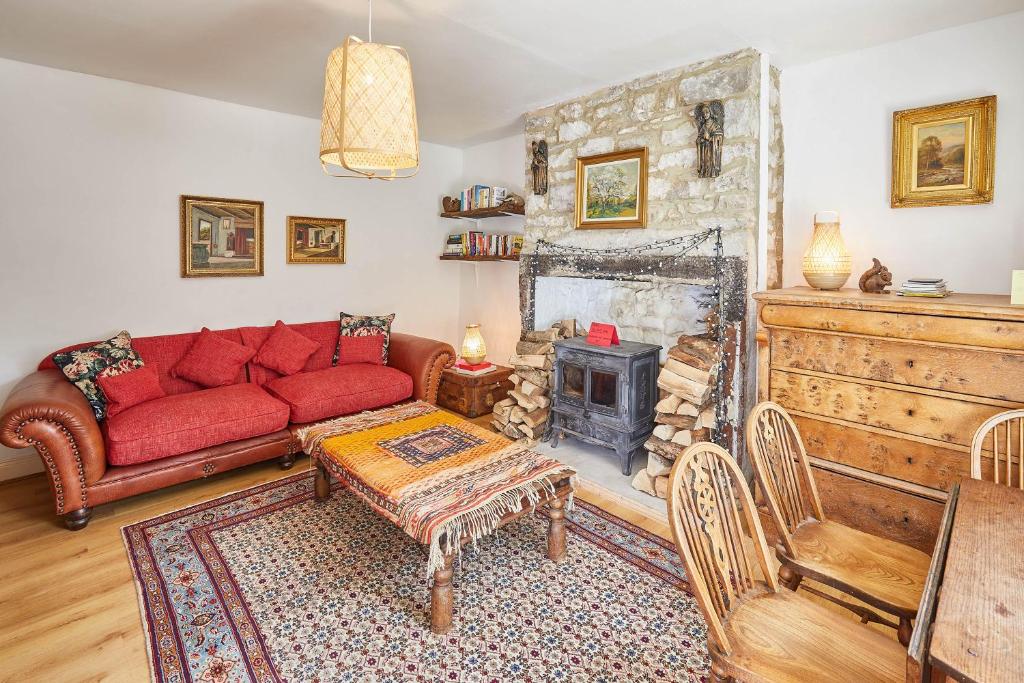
16, 464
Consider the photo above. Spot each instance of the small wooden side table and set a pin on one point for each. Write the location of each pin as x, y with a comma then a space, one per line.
473, 396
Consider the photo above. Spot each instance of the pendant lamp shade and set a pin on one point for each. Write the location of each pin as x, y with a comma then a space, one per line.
368, 128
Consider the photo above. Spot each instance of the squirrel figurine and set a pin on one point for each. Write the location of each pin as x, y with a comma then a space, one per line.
876, 279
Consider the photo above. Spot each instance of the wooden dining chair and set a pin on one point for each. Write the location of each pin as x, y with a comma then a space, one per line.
757, 632
885, 574
1007, 450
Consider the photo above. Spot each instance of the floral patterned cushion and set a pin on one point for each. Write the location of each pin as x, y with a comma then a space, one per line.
364, 326
84, 366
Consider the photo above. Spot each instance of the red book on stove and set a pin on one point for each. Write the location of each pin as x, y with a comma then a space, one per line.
461, 366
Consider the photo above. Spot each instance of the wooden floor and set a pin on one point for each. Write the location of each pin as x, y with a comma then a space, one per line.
68, 607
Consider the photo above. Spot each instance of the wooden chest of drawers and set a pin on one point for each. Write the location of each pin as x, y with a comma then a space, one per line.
887, 393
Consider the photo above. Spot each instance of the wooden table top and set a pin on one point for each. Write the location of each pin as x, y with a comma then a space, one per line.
979, 625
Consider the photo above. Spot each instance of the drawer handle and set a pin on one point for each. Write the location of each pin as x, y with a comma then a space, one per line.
910, 363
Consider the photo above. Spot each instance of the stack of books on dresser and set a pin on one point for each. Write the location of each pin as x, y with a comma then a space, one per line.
934, 287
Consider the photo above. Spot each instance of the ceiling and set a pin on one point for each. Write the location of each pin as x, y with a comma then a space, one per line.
478, 64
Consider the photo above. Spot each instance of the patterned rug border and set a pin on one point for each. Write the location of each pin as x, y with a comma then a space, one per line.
147, 618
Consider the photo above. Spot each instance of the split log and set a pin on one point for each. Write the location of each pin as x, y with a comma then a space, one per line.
515, 379
507, 401
531, 347
693, 361
669, 404
538, 377
548, 335
529, 432
567, 328
706, 350
644, 482
688, 371
684, 388
517, 414
531, 360
665, 449
658, 465
512, 432
706, 418
665, 432
536, 417
678, 421
523, 400
661, 487
688, 409
497, 426
689, 437
529, 388
541, 400
502, 411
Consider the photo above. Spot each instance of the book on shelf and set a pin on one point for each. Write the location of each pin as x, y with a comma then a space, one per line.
482, 197
475, 243
473, 369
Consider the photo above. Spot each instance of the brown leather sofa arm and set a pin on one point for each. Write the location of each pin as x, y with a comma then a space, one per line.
46, 411
424, 359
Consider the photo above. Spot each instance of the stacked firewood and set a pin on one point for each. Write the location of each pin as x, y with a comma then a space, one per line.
686, 412
525, 412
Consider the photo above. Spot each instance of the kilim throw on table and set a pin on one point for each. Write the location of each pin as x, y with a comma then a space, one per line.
436, 476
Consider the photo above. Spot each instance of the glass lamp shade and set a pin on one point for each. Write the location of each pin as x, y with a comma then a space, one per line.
826, 263
473, 348
368, 128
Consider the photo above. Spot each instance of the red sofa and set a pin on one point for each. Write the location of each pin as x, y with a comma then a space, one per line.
193, 431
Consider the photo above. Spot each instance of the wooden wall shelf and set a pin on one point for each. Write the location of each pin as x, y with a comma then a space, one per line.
477, 214
453, 257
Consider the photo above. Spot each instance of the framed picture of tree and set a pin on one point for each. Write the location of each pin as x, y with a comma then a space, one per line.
944, 154
611, 190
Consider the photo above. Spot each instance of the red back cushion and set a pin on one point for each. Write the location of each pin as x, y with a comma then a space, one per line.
325, 333
368, 349
130, 388
212, 361
166, 350
285, 351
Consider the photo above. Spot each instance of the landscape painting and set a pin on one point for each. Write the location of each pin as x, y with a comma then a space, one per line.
221, 237
941, 153
316, 240
944, 154
611, 190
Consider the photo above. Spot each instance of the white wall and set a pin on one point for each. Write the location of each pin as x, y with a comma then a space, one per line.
837, 115
489, 291
90, 174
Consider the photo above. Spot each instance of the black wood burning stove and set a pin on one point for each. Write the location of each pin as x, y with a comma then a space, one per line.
605, 395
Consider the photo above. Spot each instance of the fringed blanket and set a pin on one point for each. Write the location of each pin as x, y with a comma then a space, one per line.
438, 477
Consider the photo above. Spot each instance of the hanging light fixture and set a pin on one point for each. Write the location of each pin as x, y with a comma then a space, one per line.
368, 128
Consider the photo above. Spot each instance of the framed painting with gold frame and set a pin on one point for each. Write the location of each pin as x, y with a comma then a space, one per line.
944, 154
611, 190
315, 240
221, 237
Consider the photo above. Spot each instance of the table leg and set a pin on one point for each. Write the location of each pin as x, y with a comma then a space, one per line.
556, 530
441, 598
322, 485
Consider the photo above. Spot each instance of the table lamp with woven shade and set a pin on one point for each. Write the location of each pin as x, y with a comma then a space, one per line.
473, 348
826, 262
368, 128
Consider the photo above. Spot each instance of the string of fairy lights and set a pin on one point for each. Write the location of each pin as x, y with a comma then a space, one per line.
679, 246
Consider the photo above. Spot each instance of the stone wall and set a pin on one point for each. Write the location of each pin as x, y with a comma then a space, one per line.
775, 182
657, 112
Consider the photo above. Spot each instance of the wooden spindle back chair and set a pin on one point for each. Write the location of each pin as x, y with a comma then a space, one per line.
709, 506
782, 470
1003, 436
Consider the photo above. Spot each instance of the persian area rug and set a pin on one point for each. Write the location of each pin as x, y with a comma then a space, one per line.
269, 584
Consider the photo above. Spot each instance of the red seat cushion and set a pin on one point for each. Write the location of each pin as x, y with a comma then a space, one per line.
285, 351
130, 388
212, 361
182, 423
340, 390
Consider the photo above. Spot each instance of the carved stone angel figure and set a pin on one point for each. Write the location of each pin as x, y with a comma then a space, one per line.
539, 166
710, 131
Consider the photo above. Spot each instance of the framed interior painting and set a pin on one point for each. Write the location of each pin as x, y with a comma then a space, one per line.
944, 154
221, 237
316, 240
611, 190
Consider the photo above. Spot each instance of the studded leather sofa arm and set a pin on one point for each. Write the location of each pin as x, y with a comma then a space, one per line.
49, 413
423, 359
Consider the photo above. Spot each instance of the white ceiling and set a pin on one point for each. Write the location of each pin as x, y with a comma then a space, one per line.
478, 64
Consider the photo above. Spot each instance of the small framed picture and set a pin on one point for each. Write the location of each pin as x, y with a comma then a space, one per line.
221, 237
611, 190
316, 240
944, 154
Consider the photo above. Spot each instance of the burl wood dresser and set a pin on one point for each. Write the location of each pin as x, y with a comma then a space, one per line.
887, 392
